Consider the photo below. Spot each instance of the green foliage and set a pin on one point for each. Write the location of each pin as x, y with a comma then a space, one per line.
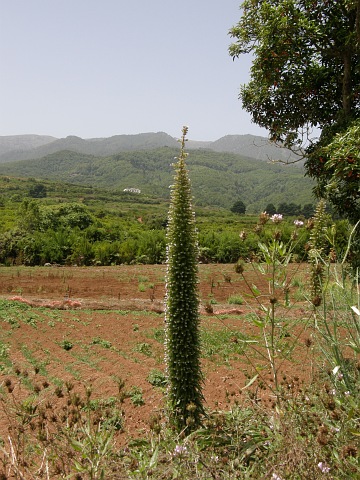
342, 172
270, 209
222, 345
107, 229
150, 170
101, 341
286, 94
289, 209
308, 210
144, 348
66, 344
4, 350
157, 378
136, 396
38, 191
238, 207
235, 300
337, 166
182, 338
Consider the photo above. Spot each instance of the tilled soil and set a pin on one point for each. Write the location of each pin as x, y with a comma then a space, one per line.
91, 326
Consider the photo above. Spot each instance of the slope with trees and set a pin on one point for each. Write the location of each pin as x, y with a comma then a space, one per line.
218, 179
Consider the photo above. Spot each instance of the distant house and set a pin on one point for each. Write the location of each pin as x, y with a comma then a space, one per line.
132, 190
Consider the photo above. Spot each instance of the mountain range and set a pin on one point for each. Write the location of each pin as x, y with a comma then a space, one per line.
28, 147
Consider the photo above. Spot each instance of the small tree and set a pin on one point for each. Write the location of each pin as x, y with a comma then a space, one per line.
238, 207
289, 209
38, 191
270, 209
182, 337
308, 210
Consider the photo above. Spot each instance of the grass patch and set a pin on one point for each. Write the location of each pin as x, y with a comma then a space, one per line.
5, 362
235, 300
222, 345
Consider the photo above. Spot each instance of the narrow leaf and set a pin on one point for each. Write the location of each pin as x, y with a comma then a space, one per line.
251, 382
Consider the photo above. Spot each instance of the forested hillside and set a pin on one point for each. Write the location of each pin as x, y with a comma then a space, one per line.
218, 179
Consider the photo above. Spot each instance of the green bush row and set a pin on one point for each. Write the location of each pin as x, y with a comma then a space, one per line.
135, 244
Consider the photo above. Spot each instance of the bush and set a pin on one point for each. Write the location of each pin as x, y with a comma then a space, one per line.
238, 207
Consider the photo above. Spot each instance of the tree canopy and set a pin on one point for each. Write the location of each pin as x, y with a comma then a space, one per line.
340, 179
239, 207
38, 191
305, 70
305, 79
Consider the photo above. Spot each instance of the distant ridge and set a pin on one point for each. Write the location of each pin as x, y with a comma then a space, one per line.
20, 143
30, 147
95, 146
252, 146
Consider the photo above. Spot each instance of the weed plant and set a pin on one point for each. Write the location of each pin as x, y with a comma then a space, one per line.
279, 330
235, 300
58, 432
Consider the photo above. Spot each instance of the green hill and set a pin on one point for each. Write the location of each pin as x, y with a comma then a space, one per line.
218, 178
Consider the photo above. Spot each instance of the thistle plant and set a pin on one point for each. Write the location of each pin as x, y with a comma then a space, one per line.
274, 345
336, 323
317, 243
182, 336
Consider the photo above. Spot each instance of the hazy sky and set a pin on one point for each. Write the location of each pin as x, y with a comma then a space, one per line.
97, 68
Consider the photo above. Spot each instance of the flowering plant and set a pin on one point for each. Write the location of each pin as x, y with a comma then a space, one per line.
276, 218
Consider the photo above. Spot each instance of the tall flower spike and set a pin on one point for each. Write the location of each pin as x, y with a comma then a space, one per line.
182, 337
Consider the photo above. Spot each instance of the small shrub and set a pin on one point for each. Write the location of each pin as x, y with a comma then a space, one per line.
144, 348
100, 341
157, 378
235, 300
142, 279
136, 396
66, 345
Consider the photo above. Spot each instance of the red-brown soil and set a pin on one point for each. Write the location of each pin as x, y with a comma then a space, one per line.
123, 305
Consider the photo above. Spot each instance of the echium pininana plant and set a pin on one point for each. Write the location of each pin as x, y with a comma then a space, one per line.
317, 242
182, 336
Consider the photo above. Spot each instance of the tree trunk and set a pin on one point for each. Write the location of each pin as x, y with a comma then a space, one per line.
358, 24
346, 84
